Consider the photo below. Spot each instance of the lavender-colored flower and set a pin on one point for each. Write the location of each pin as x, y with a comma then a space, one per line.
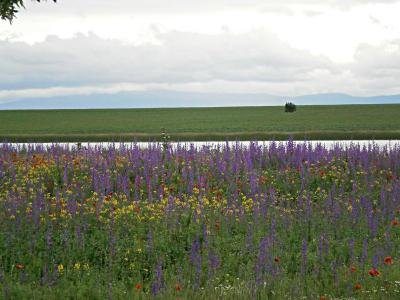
158, 282
149, 243
375, 261
196, 260
214, 263
364, 254
351, 249
249, 238
261, 260
304, 248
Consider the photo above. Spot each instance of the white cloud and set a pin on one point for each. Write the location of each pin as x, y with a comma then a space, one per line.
256, 61
378, 67
81, 8
179, 57
288, 48
333, 28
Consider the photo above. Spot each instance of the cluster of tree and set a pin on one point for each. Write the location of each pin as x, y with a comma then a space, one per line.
9, 8
290, 107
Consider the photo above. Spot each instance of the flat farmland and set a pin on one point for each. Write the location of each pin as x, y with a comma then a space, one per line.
242, 123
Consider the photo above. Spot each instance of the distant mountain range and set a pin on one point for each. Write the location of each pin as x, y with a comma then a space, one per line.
345, 99
153, 99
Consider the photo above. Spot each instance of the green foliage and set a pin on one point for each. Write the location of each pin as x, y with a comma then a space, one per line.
9, 8
290, 107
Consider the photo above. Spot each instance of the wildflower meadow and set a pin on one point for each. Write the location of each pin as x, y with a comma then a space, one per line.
278, 221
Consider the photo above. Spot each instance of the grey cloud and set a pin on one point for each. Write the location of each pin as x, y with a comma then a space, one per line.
255, 61
378, 62
378, 67
180, 57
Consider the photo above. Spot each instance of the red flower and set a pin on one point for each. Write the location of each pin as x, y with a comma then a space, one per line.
178, 287
358, 286
374, 272
19, 266
388, 260
353, 269
394, 222
138, 286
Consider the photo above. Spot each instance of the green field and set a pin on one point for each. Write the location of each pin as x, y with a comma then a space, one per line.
242, 123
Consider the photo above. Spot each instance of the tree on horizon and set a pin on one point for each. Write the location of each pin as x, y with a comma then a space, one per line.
9, 8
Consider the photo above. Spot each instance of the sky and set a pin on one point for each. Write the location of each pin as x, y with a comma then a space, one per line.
284, 48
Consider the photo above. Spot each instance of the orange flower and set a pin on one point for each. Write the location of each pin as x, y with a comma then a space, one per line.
217, 225
178, 287
19, 266
138, 286
388, 260
353, 269
136, 209
374, 272
394, 222
357, 286
277, 259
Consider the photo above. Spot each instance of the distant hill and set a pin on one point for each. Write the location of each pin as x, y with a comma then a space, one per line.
345, 99
185, 99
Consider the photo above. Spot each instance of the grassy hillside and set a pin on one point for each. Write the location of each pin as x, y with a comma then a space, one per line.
312, 122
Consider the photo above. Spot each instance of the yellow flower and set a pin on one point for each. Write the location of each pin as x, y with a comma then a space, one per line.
86, 266
60, 268
77, 266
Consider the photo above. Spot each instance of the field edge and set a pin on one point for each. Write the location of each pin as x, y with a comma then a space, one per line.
206, 136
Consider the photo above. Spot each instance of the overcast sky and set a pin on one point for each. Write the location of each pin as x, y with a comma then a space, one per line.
292, 48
